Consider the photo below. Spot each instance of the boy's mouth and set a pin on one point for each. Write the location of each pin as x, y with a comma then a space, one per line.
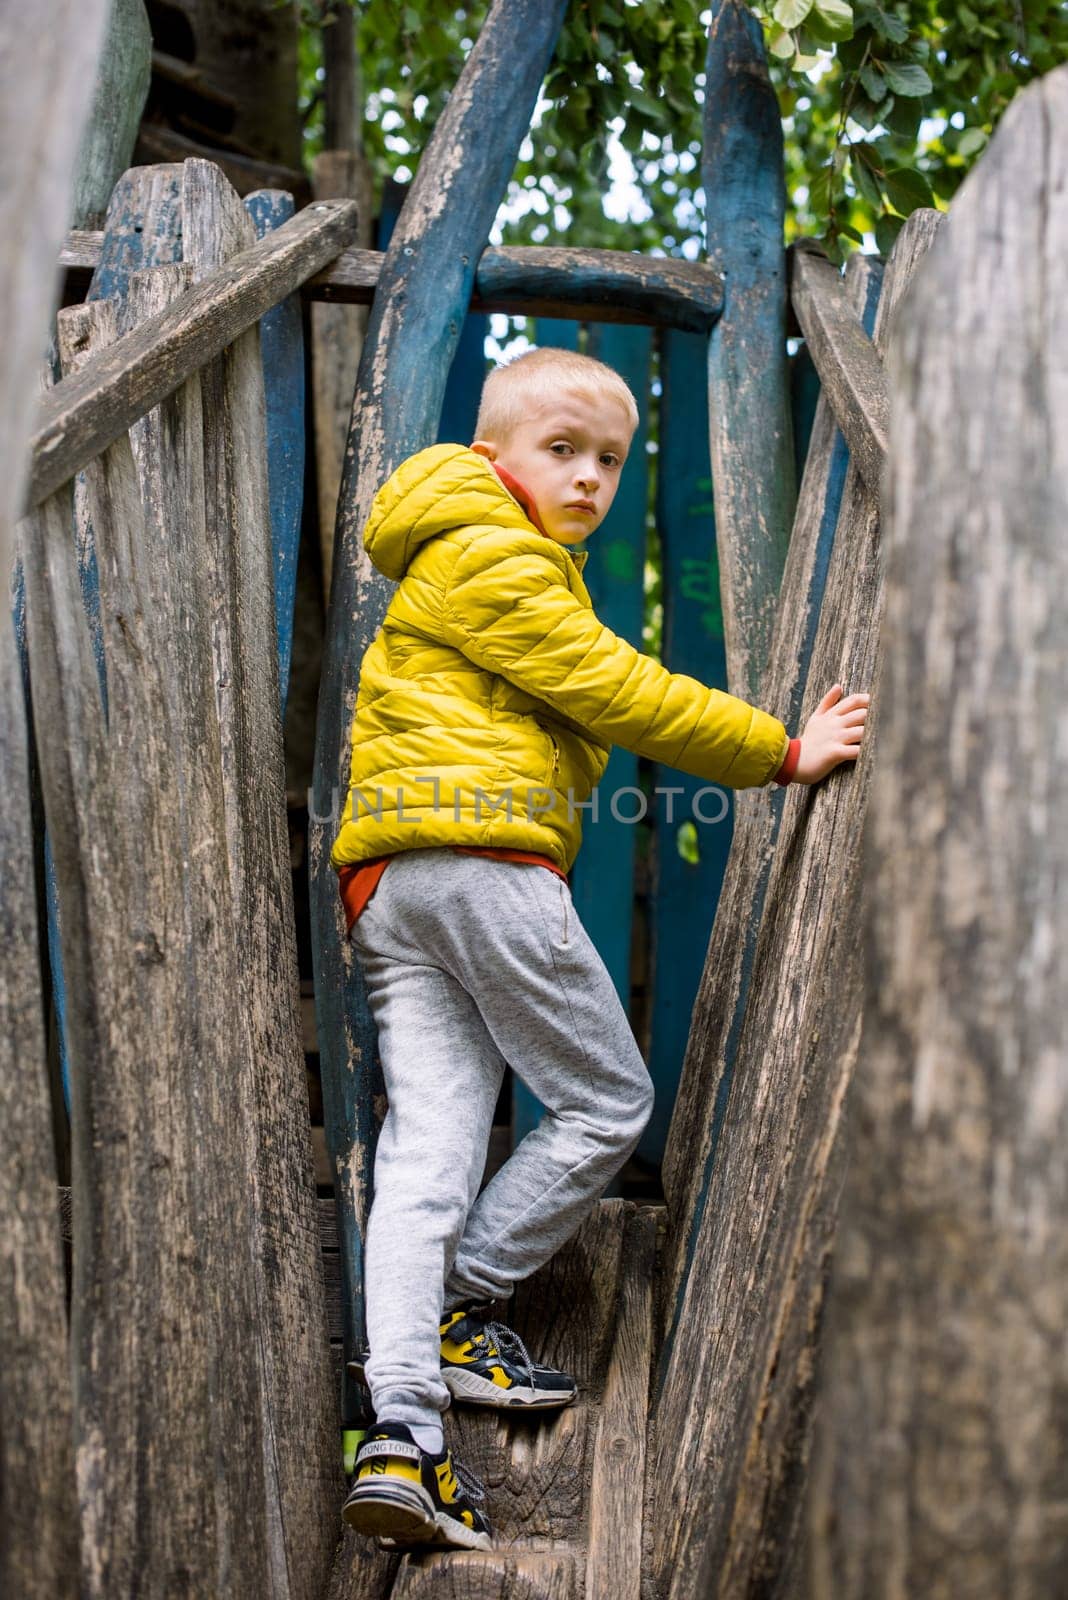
581, 505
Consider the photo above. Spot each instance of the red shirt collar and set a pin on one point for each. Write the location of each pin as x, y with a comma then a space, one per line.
520, 493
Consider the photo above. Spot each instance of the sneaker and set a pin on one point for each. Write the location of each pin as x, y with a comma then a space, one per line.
405, 1496
486, 1364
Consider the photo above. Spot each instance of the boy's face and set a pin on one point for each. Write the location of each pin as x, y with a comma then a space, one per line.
568, 453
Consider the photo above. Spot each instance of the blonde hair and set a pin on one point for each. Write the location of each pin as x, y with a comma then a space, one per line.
541, 374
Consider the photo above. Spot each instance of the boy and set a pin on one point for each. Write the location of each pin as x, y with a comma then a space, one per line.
487, 707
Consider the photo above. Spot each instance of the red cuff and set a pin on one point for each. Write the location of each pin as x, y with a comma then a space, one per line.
789, 766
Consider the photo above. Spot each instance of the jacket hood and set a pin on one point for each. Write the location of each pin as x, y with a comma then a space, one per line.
446, 486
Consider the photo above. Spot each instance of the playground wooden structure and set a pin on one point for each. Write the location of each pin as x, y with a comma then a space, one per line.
882, 994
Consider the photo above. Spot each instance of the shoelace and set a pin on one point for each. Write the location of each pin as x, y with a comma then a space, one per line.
471, 1486
509, 1343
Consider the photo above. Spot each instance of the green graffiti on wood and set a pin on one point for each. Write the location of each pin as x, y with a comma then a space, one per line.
699, 581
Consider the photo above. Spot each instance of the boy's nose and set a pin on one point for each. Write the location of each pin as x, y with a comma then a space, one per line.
587, 476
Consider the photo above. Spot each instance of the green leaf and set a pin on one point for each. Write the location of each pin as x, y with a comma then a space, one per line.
907, 77
886, 24
971, 141
868, 115
791, 13
851, 232
903, 117
886, 231
906, 189
874, 82
686, 843
781, 43
830, 20
866, 181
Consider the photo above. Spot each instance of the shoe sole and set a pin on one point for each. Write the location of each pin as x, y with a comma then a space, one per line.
478, 1391
398, 1515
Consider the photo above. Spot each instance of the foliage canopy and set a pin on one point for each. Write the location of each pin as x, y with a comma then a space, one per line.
885, 105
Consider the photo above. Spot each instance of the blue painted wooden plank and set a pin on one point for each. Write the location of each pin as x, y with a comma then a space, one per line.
463, 388
602, 881
282, 345
459, 409
694, 826
832, 488
414, 326
749, 398
804, 397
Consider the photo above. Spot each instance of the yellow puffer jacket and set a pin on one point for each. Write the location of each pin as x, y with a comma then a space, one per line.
491, 695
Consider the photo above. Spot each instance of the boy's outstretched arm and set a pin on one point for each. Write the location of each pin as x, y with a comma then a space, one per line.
509, 608
832, 734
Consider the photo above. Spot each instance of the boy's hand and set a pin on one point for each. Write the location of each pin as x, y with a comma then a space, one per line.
832, 734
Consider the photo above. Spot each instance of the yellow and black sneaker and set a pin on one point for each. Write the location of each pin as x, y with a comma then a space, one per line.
404, 1495
486, 1364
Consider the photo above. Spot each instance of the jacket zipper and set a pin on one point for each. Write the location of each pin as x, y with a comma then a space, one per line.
555, 764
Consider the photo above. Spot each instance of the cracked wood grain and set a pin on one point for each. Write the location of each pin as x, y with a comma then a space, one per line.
940, 1466
733, 1418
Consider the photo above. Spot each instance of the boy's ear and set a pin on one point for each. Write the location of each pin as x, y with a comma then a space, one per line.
485, 447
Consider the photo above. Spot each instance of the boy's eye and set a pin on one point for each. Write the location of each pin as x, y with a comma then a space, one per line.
609, 460
560, 447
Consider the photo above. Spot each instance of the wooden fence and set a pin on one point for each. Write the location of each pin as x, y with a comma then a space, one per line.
199, 1399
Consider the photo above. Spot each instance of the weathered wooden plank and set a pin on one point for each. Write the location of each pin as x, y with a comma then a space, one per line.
119, 96
605, 285
510, 1574
941, 1470
536, 1469
748, 385
336, 341
163, 1232
684, 890
722, 997
547, 281
733, 1418
299, 1410
141, 229
83, 415
282, 347
615, 1538
849, 366
53, 62
415, 322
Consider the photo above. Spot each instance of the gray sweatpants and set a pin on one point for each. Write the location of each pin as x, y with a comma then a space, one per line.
470, 964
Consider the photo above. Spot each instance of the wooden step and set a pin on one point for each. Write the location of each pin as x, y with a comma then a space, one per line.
564, 1492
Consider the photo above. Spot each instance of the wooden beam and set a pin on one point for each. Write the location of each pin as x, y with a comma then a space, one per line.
156, 1058
719, 1010
48, 66
940, 1456
849, 365
751, 430
615, 1537
336, 341
735, 1407
84, 414
119, 96
604, 285
244, 521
